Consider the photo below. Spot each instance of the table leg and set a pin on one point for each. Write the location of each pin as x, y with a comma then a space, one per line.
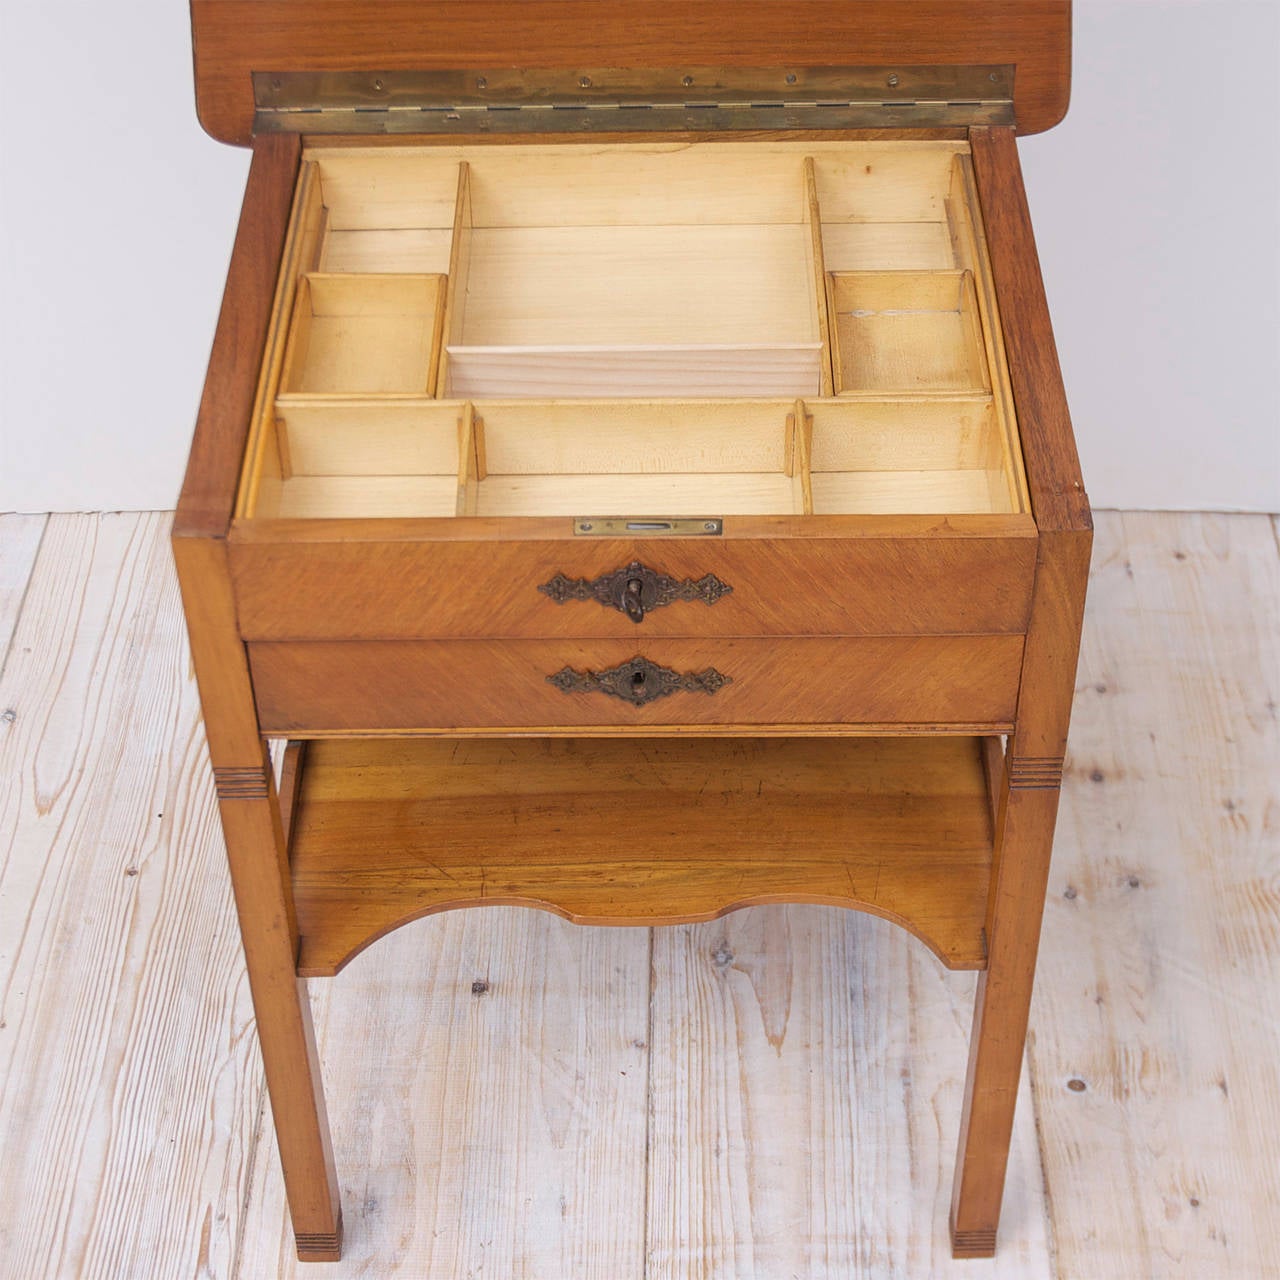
258, 858
1024, 837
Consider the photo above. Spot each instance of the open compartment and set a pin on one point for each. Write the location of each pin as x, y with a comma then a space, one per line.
668, 458
364, 334
576, 290
348, 457
899, 457
387, 211
899, 331
726, 329
354, 457
885, 207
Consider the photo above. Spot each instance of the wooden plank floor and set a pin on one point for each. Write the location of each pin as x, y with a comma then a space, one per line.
771, 1095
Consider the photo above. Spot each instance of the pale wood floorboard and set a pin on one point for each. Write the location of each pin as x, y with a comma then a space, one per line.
1159, 984
487, 1077
807, 1068
19, 542
128, 1069
805, 1064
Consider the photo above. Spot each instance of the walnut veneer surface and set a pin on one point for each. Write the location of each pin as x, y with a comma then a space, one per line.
235, 37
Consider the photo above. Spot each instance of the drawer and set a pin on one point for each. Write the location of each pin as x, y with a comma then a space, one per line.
957, 683
765, 577
498, 377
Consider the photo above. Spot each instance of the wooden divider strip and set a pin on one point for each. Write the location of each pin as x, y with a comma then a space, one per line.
818, 267
468, 477
450, 333
800, 456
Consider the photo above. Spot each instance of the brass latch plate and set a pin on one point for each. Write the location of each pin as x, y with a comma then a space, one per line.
613, 100
649, 526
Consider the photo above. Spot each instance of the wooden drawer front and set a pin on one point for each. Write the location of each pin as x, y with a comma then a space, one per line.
967, 682
787, 585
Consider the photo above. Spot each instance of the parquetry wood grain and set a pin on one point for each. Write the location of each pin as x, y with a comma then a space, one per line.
384, 579
380, 686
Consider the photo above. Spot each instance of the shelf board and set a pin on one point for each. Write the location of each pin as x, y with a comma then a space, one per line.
640, 832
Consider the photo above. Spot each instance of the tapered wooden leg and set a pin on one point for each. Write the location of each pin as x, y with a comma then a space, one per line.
259, 872
1024, 836
1026, 810
258, 855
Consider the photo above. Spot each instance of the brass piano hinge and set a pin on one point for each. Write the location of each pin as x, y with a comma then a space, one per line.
618, 100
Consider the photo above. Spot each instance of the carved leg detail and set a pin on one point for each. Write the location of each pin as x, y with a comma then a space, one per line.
320, 1248
973, 1244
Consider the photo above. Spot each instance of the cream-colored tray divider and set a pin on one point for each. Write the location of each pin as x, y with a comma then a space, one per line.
365, 319
364, 335
907, 332
629, 457
667, 457
367, 456
637, 310
345, 422
799, 449
910, 325
470, 468
819, 298
900, 456
456, 288
321, 448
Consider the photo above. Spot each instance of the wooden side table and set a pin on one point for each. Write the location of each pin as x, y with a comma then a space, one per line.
638, 509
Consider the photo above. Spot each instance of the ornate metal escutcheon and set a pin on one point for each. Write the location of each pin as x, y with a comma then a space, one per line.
635, 589
639, 681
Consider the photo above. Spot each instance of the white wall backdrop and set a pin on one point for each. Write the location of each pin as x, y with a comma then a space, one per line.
1157, 211
1157, 204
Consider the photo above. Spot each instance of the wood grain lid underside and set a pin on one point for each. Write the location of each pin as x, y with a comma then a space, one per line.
234, 38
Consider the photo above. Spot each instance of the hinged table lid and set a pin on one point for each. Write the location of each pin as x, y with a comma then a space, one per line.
233, 39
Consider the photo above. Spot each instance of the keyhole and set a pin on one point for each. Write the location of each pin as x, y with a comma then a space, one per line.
633, 599
637, 679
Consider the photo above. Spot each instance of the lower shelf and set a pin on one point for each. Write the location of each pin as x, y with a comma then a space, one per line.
639, 832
